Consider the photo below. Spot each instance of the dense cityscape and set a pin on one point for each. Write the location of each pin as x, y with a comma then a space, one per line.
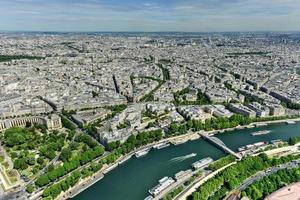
74, 107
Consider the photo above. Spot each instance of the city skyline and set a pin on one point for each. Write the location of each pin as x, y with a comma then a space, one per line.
149, 16
149, 99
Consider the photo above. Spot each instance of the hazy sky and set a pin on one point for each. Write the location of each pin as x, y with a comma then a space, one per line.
150, 15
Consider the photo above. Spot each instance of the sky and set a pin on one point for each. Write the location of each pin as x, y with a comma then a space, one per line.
150, 15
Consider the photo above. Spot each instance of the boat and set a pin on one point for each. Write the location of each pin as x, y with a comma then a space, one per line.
161, 145
260, 124
163, 184
239, 128
142, 152
250, 126
263, 132
179, 141
254, 146
290, 122
149, 198
202, 163
241, 148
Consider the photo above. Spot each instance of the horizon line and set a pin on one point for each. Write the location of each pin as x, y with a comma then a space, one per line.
257, 31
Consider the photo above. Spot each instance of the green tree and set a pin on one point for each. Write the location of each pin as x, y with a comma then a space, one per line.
66, 154
42, 181
31, 161
29, 188
20, 164
40, 160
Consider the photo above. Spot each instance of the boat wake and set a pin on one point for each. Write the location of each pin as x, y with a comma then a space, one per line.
182, 158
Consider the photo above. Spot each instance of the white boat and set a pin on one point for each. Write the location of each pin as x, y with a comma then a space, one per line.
178, 142
142, 152
254, 146
242, 149
161, 145
149, 198
261, 124
163, 184
202, 163
250, 126
263, 132
239, 128
290, 122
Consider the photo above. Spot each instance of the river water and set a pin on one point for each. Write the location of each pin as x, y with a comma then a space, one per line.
132, 179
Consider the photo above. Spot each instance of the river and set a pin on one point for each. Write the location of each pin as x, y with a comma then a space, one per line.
132, 179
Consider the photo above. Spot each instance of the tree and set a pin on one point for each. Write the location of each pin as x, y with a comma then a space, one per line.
47, 192
294, 140
86, 139
256, 193
20, 164
65, 155
189, 124
221, 162
50, 154
65, 185
232, 183
40, 160
113, 145
234, 175
29, 188
15, 136
173, 128
56, 173
73, 145
98, 151
72, 164
31, 161
197, 196
67, 124
42, 181
55, 190
131, 139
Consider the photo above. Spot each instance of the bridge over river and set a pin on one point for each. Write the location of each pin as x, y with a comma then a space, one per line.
216, 141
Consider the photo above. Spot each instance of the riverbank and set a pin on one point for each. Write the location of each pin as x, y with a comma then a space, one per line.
198, 182
283, 151
252, 125
279, 121
82, 185
86, 183
183, 138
